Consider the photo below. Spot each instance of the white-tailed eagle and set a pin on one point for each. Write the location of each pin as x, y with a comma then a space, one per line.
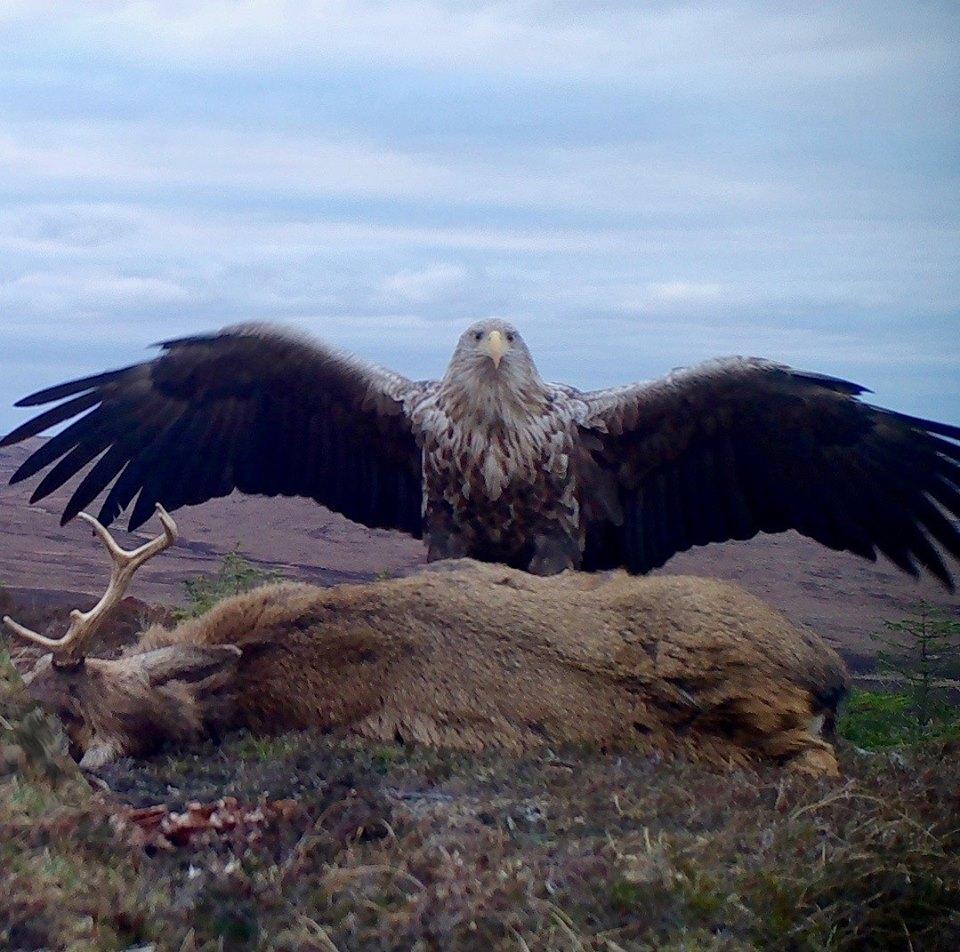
493, 462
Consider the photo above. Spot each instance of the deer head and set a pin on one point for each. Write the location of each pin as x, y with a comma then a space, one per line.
113, 708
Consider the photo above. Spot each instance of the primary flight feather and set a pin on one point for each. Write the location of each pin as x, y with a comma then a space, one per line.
493, 462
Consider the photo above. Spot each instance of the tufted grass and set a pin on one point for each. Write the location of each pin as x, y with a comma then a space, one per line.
398, 848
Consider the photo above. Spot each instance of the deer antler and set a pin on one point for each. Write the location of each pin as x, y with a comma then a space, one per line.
69, 648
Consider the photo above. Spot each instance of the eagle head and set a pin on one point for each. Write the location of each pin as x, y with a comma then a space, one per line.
494, 350
492, 375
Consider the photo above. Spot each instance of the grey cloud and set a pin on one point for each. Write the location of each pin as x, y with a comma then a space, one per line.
687, 179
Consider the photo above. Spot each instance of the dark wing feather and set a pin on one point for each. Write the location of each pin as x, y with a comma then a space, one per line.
740, 446
252, 408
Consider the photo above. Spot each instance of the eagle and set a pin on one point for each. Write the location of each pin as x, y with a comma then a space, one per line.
493, 462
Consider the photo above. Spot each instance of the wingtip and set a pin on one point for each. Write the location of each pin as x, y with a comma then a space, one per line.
135, 523
16, 435
949, 430
69, 514
35, 399
837, 384
942, 575
201, 338
946, 580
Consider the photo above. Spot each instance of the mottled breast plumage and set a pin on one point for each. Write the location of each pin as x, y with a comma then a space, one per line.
495, 469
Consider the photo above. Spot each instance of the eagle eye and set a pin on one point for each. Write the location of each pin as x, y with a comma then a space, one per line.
510, 338
477, 335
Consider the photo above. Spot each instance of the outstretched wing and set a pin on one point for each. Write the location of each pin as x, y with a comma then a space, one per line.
253, 408
741, 445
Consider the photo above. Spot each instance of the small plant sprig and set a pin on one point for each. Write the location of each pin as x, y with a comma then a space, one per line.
234, 576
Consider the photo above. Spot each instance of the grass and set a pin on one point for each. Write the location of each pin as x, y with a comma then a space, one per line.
399, 848
265, 748
880, 721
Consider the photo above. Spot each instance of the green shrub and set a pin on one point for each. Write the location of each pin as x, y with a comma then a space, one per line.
234, 576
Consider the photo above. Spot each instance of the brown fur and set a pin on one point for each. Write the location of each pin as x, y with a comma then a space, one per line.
476, 656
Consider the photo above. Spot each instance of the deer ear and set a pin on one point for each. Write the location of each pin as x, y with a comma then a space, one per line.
190, 663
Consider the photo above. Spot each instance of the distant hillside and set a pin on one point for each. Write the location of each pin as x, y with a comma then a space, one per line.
840, 596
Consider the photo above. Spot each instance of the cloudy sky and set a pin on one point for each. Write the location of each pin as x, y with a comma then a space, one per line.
637, 185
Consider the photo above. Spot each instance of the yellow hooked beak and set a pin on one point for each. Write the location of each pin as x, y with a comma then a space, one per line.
495, 346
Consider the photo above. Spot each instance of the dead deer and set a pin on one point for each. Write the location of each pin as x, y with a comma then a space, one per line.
466, 655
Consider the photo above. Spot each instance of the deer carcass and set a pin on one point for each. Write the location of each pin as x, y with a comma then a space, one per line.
466, 655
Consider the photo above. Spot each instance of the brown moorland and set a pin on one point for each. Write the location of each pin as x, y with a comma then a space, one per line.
843, 598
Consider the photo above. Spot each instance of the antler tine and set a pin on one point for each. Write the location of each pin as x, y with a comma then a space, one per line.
135, 557
29, 635
69, 648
